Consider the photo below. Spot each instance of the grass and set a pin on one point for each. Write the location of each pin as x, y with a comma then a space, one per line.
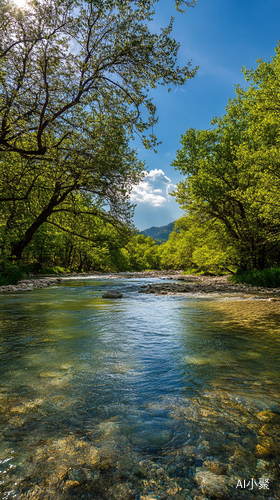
269, 278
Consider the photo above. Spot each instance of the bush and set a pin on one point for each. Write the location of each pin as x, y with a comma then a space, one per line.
10, 274
52, 270
269, 278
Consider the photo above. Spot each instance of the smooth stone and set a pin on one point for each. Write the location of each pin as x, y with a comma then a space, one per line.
212, 484
77, 475
262, 452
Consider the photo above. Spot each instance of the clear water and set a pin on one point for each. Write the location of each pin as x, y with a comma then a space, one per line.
152, 397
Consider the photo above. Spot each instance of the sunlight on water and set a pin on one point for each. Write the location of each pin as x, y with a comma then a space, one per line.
145, 397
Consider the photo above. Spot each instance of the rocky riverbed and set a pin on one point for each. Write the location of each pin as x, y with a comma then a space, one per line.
149, 398
206, 284
34, 282
226, 445
27, 285
187, 284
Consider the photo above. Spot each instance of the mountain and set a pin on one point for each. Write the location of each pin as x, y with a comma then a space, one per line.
159, 233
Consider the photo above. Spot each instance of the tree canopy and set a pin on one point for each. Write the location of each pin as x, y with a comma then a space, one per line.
62, 62
74, 90
232, 171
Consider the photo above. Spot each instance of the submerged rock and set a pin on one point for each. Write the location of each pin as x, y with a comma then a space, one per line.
123, 491
217, 468
268, 416
212, 484
112, 294
77, 475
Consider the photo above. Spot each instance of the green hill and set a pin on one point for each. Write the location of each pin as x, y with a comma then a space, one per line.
159, 233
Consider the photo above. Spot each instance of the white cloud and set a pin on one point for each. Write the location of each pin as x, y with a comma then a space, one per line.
153, 190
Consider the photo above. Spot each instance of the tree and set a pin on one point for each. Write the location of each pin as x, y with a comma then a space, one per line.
233, 171
53, 248
91, 177
197, 244
109, 3
142, 253
262, 102
74, 81
61, 62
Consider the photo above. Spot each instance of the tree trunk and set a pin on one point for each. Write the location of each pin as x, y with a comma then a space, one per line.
20, 245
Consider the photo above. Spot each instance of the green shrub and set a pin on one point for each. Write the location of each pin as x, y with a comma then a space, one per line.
10, 274
198, 272
269, 278
53, 270
190, 271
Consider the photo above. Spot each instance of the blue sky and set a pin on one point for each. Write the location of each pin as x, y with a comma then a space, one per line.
221, 36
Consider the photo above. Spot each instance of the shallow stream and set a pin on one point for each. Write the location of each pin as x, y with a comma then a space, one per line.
145, 397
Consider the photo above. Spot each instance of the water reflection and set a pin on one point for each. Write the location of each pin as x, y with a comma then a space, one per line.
164, 397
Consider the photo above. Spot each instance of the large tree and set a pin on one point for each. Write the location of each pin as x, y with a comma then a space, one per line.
74, 84
99, 168
60, 58
232, 170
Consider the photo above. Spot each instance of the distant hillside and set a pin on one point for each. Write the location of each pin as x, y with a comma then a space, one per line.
159, 233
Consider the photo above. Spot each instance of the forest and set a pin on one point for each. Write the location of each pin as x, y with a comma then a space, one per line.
68, 120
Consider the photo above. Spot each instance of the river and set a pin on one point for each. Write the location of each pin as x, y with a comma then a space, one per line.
145, 397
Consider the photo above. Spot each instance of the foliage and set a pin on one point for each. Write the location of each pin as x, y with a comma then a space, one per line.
196, 245
74, 90
141, 253
232, 174
63, 62
53, 270
148, 3
10, 274
72, 186
53, 247
266, 278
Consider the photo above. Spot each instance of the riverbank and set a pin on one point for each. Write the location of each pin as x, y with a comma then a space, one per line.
206, 284
35, 281
28, 285
187, 283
